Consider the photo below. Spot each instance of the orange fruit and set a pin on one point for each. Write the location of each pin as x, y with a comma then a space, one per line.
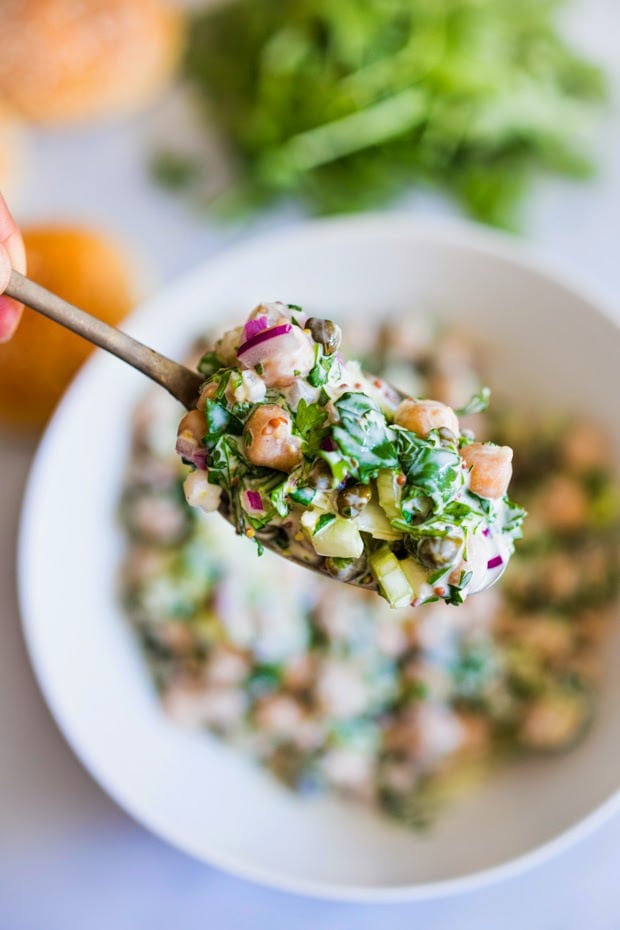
69, 60
91, 271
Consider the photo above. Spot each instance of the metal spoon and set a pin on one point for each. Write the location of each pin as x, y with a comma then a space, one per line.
183, 383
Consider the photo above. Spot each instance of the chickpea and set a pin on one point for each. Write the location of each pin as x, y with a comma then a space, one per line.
585, 448
226, 347
422, 416
554, 720
200, 493
269, 441
191, 432
208, 393
563, 503
193, 425
490, 469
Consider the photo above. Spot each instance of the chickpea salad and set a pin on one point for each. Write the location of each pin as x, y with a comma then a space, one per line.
324, 684
302, 450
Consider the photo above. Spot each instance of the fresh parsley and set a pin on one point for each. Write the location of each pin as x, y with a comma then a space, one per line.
363, 437
309, 419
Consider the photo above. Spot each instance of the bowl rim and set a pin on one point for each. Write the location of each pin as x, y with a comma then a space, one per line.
402, 226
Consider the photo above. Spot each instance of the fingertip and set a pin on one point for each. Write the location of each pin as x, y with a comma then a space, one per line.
10, 315
5, 268
14, 245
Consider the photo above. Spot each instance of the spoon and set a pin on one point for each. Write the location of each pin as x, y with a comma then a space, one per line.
181, 382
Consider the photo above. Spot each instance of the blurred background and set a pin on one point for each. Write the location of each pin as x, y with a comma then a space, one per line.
138, 137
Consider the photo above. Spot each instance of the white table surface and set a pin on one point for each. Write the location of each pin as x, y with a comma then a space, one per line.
69, 858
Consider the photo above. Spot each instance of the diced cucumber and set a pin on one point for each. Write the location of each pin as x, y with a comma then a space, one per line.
389, 493
339, 539
374, 521
390, 577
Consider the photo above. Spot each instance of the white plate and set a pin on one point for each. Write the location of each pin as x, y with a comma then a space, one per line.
552, 347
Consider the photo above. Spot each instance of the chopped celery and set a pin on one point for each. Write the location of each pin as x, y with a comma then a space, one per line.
389, 493
339, 538
390, 577
374, 521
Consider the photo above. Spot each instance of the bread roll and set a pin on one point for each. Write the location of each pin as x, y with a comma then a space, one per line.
71, 60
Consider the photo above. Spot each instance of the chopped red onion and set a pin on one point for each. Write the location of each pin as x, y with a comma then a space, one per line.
253, 327
254, 351
486, 532
328, 444
495, 562
254, 500
192, 451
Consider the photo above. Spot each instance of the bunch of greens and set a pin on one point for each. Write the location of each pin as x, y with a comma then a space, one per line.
344, 103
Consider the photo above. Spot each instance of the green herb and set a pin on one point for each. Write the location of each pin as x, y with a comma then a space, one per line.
278, 496
303, 495
437, 575
209, 364
478, 403
324, 520
515, 515
322, 369
345, 104
431, 470
308, 421
218, 419
363, 437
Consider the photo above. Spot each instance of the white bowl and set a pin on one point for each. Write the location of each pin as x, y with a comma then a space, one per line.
553, 347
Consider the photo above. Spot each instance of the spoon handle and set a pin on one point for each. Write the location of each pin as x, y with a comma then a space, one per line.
183, 383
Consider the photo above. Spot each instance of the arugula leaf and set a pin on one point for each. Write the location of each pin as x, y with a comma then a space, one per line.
308, 421
477, 404
363, 437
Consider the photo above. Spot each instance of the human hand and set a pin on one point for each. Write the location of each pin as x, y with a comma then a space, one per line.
12, 255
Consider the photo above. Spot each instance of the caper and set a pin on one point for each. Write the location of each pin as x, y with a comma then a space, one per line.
419, 510
352, 500
320, 476
345, 569
447, 436
328, 334
438, 551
